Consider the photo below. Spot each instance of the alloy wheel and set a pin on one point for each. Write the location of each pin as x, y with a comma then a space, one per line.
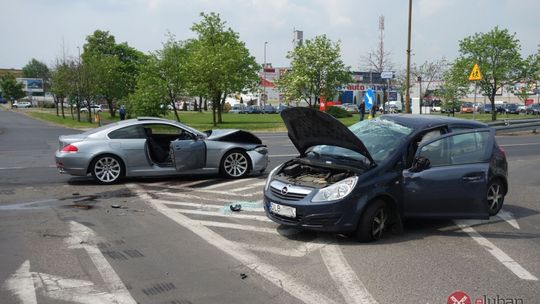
379, 224
494, 197
235, 164
107, 169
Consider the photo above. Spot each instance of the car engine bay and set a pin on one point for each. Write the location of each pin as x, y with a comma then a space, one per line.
300, 174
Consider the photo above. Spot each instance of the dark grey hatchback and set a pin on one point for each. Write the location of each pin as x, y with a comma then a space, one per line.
367, 177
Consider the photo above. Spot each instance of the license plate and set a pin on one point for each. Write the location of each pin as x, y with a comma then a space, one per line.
285, 211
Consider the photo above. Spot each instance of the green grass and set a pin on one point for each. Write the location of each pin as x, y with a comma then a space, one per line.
203, 121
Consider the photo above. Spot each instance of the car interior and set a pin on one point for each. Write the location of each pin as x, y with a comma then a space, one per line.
158, 141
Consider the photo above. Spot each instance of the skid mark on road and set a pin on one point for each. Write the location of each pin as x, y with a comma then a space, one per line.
500, 255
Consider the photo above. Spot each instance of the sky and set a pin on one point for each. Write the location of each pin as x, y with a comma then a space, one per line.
48, 29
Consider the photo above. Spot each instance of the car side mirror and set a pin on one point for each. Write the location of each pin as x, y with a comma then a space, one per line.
199, 137
420, 163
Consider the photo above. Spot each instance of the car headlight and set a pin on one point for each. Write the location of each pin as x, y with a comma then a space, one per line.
269, 178
336, 191
262, 149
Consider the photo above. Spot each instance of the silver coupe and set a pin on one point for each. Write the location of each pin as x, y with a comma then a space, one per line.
149, 146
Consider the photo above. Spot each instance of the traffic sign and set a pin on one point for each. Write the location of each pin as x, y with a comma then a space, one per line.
475, 73
387, 74
368, 99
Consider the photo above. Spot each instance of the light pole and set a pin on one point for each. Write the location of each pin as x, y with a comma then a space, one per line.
264, 76
420, 94
408, 81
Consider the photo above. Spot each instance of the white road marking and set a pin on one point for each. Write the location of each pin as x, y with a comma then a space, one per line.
228, 192
219, 214
348, 283
227, 184
508, 217
190, 196
282, 280
21, 284
20, 168
284, 155
500, 255
239, 227
297, 252
256, 185
194, 205
523, 144
84, 238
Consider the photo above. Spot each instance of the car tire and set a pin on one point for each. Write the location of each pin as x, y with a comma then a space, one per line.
373, 222
107, 169
235, 164
495, 197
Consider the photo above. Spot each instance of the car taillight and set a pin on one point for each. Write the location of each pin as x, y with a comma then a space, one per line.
70, 149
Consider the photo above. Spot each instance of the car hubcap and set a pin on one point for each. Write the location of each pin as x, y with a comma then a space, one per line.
107, 169
379, 223
235, 164
494, 196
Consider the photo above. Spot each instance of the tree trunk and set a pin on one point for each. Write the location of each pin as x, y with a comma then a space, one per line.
215, 104
56, 105
206, 104
175, 111
220, 108
492, 100
112, 110
200, 104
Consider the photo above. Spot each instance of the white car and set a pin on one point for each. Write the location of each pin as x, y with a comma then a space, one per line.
95, 108
22, 104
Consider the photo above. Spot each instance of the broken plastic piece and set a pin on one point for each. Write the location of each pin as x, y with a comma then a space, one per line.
236, 207
243, 276
115, 206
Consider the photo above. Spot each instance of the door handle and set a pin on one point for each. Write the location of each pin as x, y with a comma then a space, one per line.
473, 178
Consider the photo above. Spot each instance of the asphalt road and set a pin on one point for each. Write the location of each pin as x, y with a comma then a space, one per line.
173, 240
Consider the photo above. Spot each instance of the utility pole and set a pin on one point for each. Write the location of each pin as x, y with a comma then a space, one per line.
408, 81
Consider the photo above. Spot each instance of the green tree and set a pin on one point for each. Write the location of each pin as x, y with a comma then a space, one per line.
454, 87
498, 55
316, 70
162, 81
11, 89
115, 67
220, 62
38, 69
64, 84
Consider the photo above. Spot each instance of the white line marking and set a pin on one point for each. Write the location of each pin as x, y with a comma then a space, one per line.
249, 187
226, 184
348, 283
239, 227
22, 285
19, 168
284, 155
194, 205
218, 214
191, 196
297, 252
523, 144
226, 192
282, 280
82, 237
500, 255
509, 218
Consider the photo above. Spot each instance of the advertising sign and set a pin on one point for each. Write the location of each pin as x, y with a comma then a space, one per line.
31, 84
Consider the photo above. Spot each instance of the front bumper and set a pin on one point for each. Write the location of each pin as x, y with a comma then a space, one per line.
259, 161
339, 216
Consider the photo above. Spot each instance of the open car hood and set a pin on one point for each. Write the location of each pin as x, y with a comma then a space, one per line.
231, 135
308, 127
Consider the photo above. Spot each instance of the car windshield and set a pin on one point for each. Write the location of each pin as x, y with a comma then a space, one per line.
381, 137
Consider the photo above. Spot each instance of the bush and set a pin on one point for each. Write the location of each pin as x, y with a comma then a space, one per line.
338, 112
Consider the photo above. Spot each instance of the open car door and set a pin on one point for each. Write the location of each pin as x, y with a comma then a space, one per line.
188, 154
449, 175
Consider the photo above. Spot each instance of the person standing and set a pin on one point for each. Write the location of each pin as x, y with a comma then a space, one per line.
122, 112
362, 109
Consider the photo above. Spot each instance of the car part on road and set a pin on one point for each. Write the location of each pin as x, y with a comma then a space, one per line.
235, 207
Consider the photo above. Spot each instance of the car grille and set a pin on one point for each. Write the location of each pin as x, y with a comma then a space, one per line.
292, 193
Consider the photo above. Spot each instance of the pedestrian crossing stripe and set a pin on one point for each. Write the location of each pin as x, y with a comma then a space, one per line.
475, 73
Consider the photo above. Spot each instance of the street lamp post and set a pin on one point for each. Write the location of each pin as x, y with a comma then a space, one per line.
420, 93
408, 81
264, 76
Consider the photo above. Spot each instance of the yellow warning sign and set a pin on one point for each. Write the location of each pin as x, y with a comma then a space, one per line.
475, 73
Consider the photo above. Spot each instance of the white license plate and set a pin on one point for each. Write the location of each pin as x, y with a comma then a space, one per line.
285, 211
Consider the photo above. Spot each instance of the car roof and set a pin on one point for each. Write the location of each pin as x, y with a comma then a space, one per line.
417, 121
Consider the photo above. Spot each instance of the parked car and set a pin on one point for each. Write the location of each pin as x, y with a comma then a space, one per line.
268, 109
366, 178
95, 108
522, 108
281, 107
467, 107
21, 104
3, 100
511, 108
254, 109
487, 108
351, 108
533, 109
158, 147
238, 108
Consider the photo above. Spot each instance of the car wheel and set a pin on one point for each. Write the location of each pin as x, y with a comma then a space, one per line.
107, 169
373, 222
495, 197
235, 164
